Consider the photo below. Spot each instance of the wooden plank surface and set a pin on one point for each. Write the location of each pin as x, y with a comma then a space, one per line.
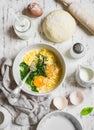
10, 45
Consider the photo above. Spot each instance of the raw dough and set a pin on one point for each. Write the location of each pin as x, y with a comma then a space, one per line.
59, 26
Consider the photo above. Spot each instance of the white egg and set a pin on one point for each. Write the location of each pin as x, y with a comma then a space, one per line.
76, 97
60, 102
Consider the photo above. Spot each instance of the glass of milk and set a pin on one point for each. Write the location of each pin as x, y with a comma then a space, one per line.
85, 76
23, 27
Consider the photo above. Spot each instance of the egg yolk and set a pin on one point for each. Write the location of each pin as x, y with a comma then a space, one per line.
40, 81
49, 70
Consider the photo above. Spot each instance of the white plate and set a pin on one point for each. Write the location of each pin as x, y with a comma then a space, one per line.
59, 120
19, 57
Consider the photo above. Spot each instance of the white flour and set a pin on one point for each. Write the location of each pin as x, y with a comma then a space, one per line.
57, 123
24, 28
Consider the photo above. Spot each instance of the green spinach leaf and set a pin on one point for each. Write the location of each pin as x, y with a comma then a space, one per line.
33, 88
24, 69
40, 70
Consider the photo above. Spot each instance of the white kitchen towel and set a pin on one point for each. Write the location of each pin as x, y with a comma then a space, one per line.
29, 109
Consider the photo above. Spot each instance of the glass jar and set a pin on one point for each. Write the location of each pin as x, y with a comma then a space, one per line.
22, 27
78, 50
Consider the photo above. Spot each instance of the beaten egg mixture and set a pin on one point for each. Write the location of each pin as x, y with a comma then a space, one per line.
48, 79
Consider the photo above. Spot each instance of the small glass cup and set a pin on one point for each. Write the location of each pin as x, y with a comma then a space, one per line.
23, 27
5, 118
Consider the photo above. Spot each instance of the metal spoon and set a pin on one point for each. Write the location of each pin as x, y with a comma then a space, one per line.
14, 95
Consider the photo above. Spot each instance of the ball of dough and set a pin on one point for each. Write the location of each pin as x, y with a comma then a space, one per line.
59, 26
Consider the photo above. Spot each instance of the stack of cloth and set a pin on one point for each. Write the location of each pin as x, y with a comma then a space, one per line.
29, 109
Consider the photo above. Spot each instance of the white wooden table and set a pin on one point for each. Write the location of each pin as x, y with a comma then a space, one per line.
10, 45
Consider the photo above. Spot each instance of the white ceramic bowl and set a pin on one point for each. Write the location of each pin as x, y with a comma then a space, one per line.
19, 57
59, 120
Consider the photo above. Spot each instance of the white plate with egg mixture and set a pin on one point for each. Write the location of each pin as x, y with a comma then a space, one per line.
59, 120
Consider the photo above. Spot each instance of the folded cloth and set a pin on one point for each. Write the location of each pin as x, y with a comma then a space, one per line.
29, 109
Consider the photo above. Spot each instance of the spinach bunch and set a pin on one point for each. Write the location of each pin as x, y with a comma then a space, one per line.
41, 65
40, 70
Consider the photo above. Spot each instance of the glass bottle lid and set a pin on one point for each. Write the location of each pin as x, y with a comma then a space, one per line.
78, 48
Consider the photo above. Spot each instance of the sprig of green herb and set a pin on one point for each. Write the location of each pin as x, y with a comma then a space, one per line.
86, 111
41, 64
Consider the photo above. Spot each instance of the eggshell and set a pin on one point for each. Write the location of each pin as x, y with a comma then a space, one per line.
76, 97
35, 9
60, 102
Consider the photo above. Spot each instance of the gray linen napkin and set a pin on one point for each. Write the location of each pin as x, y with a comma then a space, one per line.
29, 109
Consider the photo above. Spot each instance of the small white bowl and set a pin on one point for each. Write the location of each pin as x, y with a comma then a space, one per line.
76, 97
60, 102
